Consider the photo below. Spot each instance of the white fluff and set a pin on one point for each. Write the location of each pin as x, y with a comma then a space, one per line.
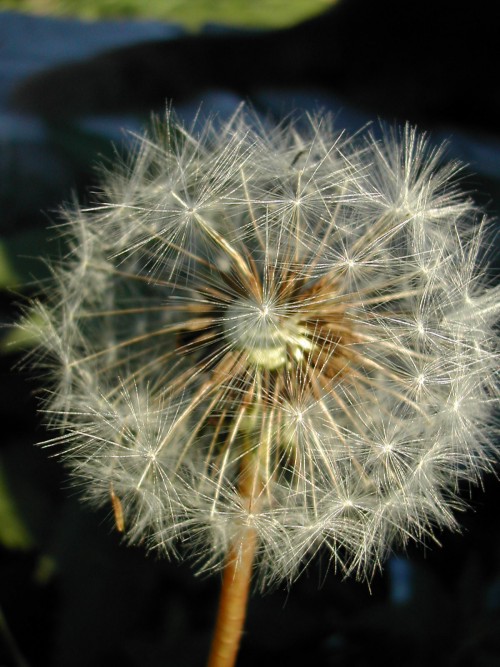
309, 302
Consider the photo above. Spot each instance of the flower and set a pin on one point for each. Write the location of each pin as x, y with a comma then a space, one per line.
281, 328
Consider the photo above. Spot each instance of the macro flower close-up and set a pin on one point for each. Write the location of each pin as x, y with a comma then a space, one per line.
250, 307
280, 330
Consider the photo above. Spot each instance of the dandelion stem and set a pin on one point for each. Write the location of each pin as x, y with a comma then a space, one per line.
233, 603
236, 579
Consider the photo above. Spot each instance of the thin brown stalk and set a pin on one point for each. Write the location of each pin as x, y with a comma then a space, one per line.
233, 603
236, 581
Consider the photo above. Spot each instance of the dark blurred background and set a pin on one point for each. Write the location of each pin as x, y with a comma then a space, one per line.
71, 595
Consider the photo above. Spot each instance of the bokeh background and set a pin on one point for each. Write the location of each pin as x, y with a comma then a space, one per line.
75, 78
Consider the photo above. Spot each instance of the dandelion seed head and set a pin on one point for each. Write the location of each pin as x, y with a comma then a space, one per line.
289, 299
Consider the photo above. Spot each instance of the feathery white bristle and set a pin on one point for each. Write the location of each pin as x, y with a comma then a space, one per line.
290, 294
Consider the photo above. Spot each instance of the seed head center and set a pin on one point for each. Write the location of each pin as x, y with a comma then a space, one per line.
265, 332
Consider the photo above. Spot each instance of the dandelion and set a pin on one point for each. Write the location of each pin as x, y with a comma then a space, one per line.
269, 341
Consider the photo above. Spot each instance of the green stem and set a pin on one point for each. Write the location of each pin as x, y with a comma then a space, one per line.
10, 643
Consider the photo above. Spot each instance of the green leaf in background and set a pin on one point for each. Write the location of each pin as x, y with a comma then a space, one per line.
13, 532
8, 276
21, 263
191, 13
19, 338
